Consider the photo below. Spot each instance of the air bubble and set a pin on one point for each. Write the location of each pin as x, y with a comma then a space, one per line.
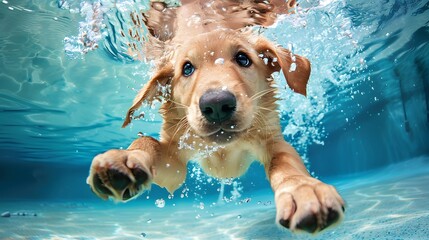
292, 67
219, 61
160, 203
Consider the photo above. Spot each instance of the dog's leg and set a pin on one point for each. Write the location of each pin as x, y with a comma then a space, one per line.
124, 174
302, 202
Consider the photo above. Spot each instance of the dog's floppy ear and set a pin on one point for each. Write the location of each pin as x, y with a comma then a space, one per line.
150, 91
295, 68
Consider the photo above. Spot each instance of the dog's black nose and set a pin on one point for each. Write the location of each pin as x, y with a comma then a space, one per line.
217, 105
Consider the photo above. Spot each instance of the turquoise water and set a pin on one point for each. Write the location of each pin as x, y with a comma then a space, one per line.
388, 203
363, 128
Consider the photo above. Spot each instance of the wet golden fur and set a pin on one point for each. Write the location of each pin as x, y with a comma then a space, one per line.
224, 150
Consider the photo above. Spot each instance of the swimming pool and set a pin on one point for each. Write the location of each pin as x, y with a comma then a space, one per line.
363, 128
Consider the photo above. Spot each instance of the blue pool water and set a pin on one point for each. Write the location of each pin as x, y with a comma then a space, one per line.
363, 128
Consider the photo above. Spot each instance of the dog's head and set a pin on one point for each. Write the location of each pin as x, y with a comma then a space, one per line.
220, 80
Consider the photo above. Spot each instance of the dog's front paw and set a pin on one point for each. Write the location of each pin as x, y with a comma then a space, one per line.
307, 204
120, 174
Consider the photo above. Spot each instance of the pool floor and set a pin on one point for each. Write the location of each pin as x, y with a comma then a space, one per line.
389, 203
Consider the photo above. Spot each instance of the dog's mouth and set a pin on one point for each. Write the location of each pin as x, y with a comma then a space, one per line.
222, 136
222, 133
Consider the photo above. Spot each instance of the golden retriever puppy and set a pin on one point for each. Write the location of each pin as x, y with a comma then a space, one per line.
221, 108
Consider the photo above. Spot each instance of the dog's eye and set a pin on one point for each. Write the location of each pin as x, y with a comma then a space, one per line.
243, 60
188, 69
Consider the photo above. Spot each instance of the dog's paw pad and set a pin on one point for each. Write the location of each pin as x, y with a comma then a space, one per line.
140, 176
333, 216
127, 195
285, 223
99, 186
117, 179
308, 223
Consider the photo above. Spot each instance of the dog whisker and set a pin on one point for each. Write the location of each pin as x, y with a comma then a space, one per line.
183, 123
264, 108
259, 123
179, 123
176, 124
262, 93
175, 120
178, 104
264, 124
176, 107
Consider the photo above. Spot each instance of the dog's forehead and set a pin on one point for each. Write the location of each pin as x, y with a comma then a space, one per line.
215, 44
